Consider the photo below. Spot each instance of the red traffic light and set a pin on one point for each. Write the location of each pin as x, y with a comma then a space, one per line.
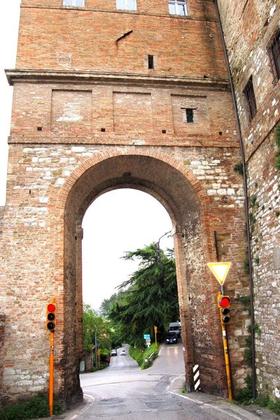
224, 302
51, 307
51, 317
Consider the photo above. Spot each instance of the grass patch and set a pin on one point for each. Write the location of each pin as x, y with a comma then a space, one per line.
245, 396
144, 357
32, 408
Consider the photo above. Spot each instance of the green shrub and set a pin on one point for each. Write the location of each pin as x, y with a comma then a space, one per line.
245, 300
144, 357
245, 394
262, 400
267, 402
239, 168
32, 408
274, 406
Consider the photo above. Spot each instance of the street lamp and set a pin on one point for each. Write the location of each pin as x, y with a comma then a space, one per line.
220, 271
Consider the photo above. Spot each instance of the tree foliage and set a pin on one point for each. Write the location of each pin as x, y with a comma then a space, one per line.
95, 328
148, 298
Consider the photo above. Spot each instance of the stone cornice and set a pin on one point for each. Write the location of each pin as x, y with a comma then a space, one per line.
61, 76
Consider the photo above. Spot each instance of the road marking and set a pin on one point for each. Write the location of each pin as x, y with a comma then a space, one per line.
90, 397
208, 405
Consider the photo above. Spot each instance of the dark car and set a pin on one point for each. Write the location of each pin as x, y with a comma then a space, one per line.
114, 352
171, 338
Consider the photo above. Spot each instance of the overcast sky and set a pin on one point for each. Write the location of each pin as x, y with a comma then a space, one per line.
9, 16
116, 222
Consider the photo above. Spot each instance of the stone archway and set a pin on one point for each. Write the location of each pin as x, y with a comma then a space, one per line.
183, 198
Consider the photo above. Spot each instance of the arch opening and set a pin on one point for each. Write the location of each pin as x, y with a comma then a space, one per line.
118, 222
174, 191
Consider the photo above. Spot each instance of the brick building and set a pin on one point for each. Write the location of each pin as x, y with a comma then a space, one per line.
112, 94
252, 36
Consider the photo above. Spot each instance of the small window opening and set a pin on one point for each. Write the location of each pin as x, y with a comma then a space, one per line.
189, 115
39, 128
103, 130
74, 3
163, 131
126, 5
274, 54
151, 63
177, 7
250, 98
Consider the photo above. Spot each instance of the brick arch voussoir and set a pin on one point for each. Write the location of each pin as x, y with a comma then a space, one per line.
59, 198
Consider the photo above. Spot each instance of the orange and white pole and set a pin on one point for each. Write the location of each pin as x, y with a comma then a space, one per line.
226, 353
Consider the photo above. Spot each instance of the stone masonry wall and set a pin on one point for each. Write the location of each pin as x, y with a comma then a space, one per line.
249, 27
88, 115
29, 214
264, 187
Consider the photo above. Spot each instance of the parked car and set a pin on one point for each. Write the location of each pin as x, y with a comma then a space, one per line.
123, 352
114, 352
175, 327
171, 338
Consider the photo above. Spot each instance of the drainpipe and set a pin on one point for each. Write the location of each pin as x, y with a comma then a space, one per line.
245, 187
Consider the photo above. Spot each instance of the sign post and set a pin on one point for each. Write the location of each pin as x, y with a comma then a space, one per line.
147, 338
51, 323
226, 352
51, 380
155, 330
220, 271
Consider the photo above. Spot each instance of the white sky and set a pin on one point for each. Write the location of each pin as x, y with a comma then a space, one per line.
118, 221
9, 16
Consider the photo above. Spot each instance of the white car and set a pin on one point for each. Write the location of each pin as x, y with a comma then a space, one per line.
123, 352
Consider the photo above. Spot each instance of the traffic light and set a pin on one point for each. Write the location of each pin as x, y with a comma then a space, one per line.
224, 305
51, 317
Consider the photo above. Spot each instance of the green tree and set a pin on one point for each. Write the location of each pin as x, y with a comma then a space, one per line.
95, 326
149, 297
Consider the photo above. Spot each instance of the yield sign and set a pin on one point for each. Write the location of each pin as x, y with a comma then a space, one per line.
220, 270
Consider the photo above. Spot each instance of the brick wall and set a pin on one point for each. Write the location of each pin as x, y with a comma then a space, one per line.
43, 45
107, 114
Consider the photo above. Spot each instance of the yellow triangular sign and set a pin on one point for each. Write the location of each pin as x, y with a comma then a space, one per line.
220, 270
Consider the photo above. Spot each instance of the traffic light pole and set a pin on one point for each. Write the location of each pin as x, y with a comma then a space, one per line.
51, 377
226, 354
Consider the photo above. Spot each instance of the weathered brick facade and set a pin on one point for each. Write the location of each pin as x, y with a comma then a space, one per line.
249, 28
89, 116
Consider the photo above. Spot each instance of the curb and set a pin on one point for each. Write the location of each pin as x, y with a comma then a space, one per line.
229, 409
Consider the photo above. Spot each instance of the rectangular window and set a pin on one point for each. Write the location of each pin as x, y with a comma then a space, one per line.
177, 7
274, 53
151, 64
250, 98
126, 5
74, 3
189, 115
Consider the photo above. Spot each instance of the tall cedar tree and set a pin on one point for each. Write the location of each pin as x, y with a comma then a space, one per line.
148, 298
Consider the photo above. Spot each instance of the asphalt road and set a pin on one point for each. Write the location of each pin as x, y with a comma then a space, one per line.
124, 392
